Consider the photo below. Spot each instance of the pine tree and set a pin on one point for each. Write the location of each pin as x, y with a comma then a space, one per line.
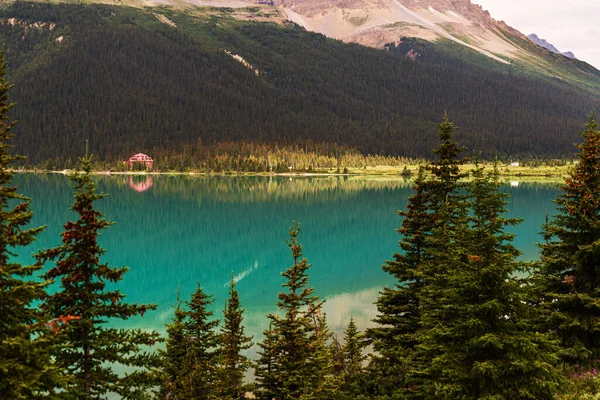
90, 347
232, 341
26, 368
568, 279
475, 322
395, 337
294, 362
174, 355
199, 373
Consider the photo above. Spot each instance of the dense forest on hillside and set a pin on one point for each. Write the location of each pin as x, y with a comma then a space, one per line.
127, 82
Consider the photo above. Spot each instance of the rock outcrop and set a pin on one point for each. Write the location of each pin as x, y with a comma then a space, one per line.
549, 46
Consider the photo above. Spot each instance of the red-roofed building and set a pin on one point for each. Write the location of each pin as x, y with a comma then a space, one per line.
141, 158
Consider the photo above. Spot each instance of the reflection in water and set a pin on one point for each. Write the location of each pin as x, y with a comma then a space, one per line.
197, 228
338, 310
252, 189
242, 274
140, 185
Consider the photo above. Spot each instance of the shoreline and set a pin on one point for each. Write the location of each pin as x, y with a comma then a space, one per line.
381, 171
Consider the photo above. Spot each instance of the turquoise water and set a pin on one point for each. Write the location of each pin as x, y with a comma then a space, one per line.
175, 231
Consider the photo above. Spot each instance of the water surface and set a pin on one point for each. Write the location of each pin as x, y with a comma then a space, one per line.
174, 231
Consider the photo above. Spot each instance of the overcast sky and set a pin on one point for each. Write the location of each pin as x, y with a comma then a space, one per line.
570, 25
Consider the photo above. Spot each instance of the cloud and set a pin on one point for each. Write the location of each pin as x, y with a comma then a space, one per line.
569, 25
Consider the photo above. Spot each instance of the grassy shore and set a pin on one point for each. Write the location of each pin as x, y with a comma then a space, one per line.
508, 172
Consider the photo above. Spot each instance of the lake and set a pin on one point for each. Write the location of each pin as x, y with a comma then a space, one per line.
174, 231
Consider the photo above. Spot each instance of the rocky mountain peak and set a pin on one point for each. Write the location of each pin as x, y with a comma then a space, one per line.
549, 46
378, 22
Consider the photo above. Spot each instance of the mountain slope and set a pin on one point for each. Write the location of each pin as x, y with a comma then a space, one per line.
153, 79
376, 23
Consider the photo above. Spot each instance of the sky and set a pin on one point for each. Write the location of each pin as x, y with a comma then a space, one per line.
570, 25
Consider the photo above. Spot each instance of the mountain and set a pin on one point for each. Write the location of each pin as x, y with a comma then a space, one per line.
377, 23
549, 46
167, 78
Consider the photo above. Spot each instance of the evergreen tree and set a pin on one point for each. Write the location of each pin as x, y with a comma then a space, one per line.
232, 341
395, 337
90, 347
353, 351
352, 371
294, 362
174, 355
568, 279
475, 322
267, 370
199, 374
26, 369
320, 366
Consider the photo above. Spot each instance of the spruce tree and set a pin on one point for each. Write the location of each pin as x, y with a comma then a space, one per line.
399, 320
475, 321
320, 366
267, 370
352, 370
568, 279
199, 373
91, 349
353, 351
232, 341
173, 355
26, 368
294, 362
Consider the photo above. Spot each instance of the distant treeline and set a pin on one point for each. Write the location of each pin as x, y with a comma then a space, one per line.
125, 81
244, 157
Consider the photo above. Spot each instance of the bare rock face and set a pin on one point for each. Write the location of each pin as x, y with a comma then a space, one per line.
377, 22
548, 46
392, 33
310, 8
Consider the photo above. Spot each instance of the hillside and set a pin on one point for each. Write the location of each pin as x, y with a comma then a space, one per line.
377, 23
143, 79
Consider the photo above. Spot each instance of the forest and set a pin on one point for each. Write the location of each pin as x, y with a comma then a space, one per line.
465, 319
122, 80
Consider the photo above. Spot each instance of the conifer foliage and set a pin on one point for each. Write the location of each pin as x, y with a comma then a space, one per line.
456, 326
232, 341
199, 376
26, 370
90, 350
399, 320
200, 363
352, 371
475, 323
568, 280
294, 360
174, 355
